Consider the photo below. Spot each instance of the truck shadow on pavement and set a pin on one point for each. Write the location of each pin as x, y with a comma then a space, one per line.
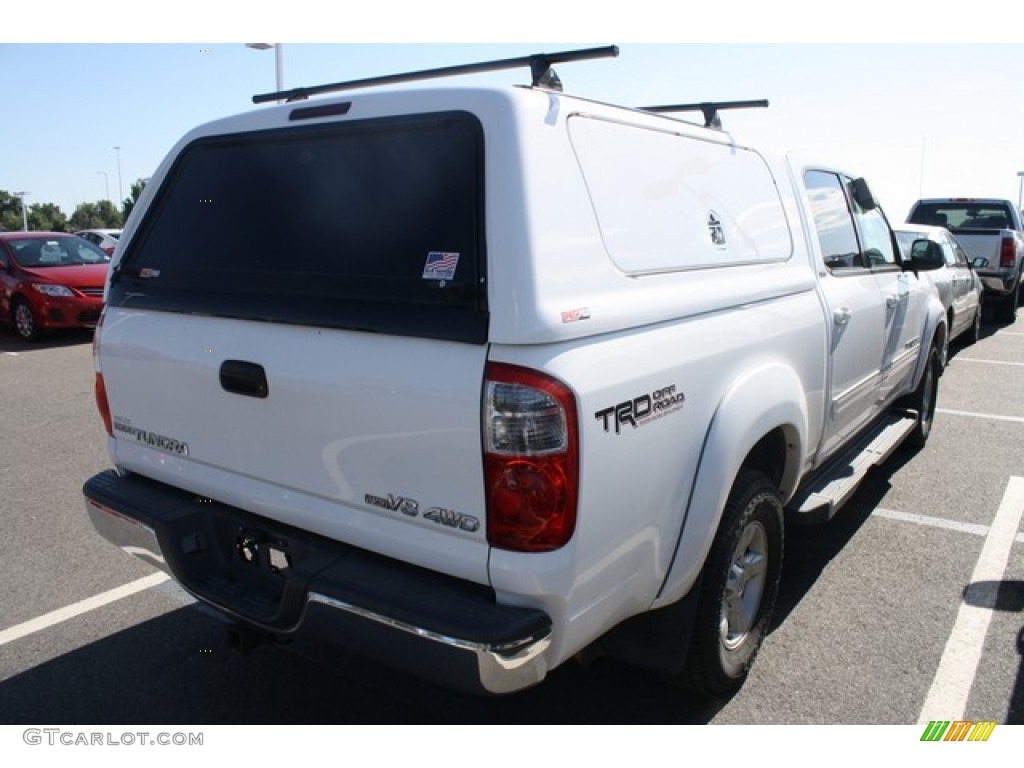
810, 548
177, 670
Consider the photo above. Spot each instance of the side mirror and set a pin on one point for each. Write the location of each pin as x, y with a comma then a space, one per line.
979, 263
926, 255
862, 195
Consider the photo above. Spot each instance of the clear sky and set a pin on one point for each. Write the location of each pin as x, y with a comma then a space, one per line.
915, 118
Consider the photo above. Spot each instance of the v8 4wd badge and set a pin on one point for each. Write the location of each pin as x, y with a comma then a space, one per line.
411, 508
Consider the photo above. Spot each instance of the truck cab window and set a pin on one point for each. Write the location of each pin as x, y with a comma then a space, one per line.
836, 234
876, 237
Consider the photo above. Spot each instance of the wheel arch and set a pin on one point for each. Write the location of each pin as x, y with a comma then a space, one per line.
935, 332
761, 423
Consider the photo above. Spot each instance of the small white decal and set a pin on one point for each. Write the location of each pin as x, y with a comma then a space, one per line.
575, 315
716, 230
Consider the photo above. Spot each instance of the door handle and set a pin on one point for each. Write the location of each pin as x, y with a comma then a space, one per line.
243, 378
841, 315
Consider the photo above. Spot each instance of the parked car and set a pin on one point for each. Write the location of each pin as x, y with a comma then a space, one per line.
989, 229
106, 239
960, 288
50, 280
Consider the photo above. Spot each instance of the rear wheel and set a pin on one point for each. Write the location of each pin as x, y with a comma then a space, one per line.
974, 334
1006, 308
738, 588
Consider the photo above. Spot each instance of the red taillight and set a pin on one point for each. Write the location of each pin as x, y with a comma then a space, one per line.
530, 459
1007, 252
102, 404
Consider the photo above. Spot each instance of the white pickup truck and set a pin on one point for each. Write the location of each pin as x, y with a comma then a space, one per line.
991, 232
476, 380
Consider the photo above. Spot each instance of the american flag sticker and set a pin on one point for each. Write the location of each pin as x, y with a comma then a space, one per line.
440, 266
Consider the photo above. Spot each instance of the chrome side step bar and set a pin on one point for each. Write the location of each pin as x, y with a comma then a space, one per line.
819, 501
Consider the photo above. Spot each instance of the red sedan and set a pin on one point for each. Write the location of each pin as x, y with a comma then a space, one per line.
50, 280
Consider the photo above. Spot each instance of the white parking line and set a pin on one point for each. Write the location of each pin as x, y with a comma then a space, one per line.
947, 697
77, 609
933, 522
975, 529
987, 362
974, 415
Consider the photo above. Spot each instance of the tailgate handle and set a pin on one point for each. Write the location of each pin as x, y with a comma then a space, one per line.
243, 378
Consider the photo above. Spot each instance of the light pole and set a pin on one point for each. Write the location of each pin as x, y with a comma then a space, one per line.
106, 183
278, 60
24, 211
920, 178
1020, 190
120, 192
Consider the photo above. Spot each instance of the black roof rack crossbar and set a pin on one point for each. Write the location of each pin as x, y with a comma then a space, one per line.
709, 108
540, 65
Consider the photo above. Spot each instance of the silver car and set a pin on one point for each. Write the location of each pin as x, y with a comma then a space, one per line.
103, 238
959, 286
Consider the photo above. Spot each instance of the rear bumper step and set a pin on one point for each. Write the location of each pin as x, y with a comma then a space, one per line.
291, 583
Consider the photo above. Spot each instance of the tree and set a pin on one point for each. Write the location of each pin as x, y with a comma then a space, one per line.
100, 215
10, 211
111, 217
47, 217
85, 217
129, 202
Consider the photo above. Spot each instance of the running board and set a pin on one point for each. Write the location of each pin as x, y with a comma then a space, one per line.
821, 499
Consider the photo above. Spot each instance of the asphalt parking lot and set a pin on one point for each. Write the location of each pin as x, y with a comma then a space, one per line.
909, 606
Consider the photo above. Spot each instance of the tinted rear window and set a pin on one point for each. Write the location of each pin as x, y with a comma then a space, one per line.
373, 225
962, 215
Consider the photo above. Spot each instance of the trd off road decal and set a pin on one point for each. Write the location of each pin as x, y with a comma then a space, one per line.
641, 410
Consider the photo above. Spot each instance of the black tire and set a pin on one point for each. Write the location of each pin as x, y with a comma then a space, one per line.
24, 321
1005, 310
974, 335
739, 585
944, 351
923, 400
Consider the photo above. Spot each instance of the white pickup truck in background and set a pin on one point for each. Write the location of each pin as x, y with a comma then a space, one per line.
991, 232
478, 380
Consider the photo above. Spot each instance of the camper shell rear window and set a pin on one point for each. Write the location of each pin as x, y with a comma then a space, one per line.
372, 225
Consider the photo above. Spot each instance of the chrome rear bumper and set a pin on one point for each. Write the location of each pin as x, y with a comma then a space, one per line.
293, 584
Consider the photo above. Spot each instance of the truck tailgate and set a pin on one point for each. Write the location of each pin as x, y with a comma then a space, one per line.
355, 436
983, 244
